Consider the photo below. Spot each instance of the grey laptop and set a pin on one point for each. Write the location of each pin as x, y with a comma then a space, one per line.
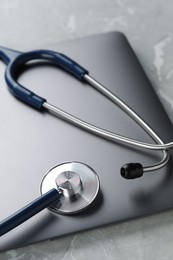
33, 142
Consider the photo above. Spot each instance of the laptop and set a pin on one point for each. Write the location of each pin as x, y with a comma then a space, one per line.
32, 142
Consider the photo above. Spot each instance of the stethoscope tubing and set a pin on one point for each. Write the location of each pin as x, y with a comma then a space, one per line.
29, 211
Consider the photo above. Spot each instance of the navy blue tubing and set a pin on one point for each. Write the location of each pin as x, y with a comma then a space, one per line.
15, 60
29, 211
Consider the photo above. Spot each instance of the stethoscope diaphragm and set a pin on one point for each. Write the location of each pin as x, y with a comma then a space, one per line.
78, 184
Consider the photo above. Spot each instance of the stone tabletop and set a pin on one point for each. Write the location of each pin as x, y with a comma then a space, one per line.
148, 26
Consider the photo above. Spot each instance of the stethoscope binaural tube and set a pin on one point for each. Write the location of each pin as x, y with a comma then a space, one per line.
136, 169
15, 59
131, 170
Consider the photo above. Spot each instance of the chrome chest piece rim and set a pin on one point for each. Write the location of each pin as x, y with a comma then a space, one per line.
78, 184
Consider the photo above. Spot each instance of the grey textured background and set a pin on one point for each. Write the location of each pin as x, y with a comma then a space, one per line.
148, 25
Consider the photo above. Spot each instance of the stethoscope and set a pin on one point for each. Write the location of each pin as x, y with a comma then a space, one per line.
76, 177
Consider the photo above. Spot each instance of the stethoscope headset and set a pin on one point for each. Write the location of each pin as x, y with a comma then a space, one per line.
72, 181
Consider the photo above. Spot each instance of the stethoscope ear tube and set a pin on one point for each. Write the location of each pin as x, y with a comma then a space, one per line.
131, 171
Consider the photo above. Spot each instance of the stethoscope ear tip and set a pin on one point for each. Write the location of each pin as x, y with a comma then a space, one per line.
131, 170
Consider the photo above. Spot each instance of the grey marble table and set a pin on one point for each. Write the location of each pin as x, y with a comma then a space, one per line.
148, 25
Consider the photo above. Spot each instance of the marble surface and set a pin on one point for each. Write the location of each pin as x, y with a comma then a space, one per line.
148, 25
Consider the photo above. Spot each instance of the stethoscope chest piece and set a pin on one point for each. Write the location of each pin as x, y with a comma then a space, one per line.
78, 184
